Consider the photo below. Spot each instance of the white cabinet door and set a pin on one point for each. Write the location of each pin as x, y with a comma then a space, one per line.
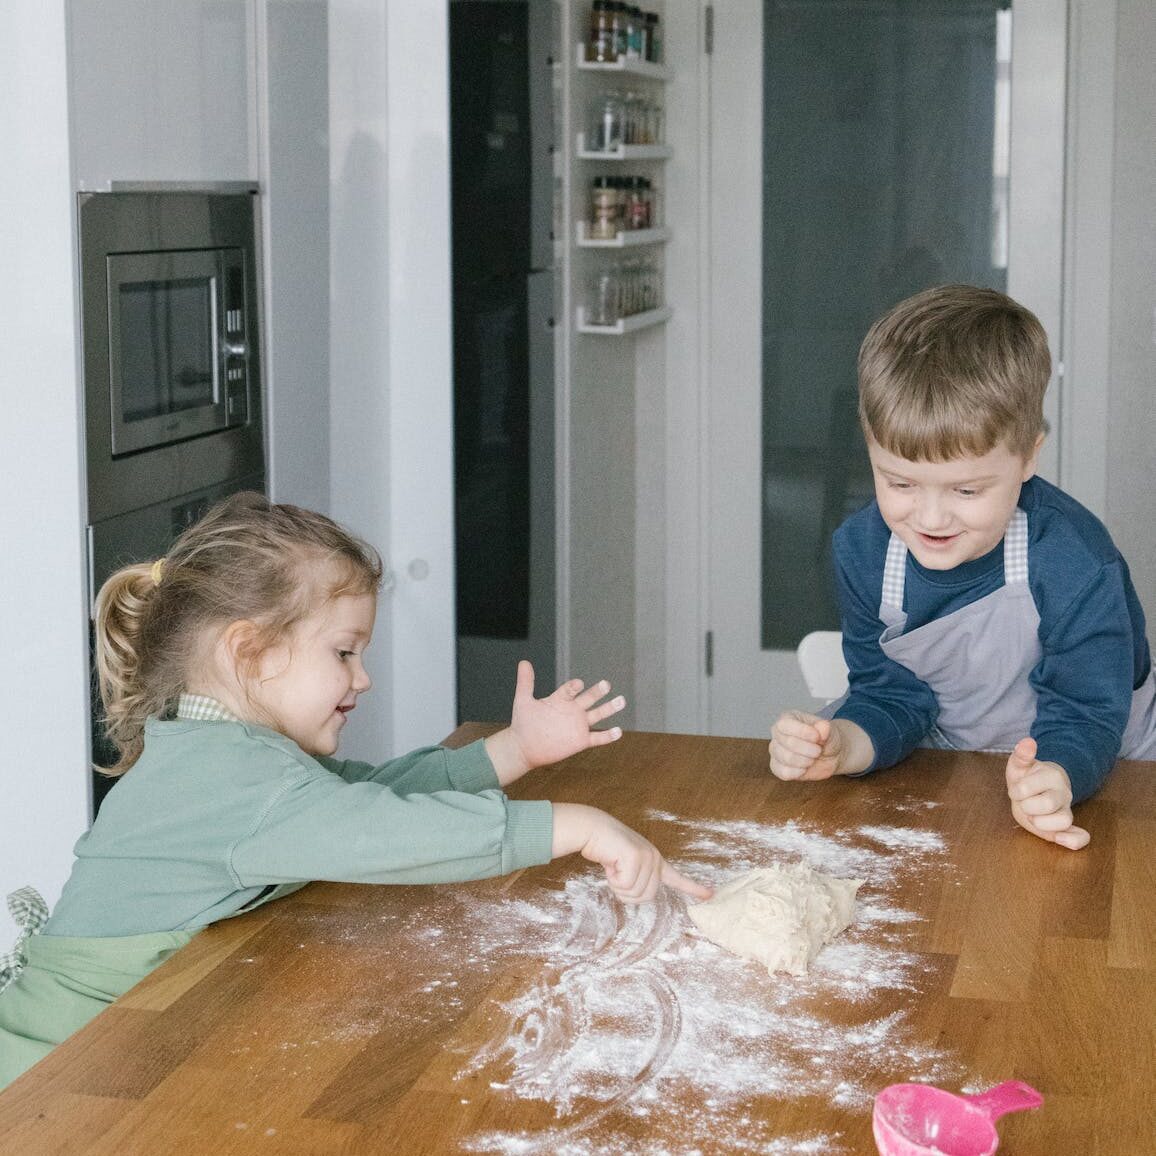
858, 153
162, 90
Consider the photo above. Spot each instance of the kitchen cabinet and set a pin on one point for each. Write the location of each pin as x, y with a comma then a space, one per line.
163, 90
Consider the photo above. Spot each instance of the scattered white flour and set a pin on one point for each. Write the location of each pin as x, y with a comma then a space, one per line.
636, 1035
643, 1028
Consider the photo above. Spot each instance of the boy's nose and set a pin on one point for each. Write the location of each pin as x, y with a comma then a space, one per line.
934, 513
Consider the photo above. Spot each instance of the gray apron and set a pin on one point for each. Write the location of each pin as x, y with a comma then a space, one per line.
977, 659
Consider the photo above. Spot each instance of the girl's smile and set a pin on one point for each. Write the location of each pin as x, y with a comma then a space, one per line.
308, 685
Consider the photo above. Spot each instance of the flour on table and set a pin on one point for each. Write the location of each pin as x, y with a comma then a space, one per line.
779, 916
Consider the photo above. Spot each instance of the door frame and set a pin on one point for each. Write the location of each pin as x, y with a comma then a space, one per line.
690, 381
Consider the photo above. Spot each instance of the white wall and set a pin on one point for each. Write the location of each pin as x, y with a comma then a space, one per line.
391, 475
292, 145
43, 676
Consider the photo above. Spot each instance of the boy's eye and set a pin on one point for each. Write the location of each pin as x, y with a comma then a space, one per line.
966, 492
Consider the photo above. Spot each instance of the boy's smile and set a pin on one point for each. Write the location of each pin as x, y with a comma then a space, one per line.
948, 513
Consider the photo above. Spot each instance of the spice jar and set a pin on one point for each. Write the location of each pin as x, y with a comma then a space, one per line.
633, 28
636, 211
603, 209
602, 302
653, 39
600, 45
607, 127
618, 27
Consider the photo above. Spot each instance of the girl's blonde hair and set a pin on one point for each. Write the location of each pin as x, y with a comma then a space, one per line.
246, 559
953, 372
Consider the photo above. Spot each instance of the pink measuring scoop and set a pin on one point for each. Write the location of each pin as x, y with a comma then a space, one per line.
919, 1120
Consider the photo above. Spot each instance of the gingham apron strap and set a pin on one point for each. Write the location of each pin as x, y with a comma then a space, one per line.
30, 913
894, 573
1015, 560
1015, 549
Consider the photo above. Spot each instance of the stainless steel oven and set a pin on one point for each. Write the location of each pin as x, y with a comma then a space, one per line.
172, 358
170, 310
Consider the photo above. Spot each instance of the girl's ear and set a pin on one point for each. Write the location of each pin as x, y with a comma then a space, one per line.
237, 649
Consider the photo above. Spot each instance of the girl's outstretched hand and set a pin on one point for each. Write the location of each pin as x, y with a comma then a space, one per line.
547, 730
634, 867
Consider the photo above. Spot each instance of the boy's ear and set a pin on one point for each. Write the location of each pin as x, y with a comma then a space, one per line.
1031, 462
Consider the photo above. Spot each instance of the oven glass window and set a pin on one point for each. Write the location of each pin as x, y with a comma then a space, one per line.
167, 349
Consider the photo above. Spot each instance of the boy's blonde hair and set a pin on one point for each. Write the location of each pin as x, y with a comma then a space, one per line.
246, 559
953, 372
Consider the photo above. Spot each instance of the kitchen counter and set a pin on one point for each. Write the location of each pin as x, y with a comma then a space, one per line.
534, 1014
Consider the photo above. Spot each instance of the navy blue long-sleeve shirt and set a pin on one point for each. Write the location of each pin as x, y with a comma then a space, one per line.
1092, 631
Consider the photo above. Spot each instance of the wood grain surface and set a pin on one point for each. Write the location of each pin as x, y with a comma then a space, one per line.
361, 1019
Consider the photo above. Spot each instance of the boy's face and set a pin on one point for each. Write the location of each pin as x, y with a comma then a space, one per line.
947, 513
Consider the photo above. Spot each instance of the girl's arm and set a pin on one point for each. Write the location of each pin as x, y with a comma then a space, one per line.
634, 867
321, 827
422, 771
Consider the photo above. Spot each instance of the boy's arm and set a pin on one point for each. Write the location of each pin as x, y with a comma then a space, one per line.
1083, 683
893, 707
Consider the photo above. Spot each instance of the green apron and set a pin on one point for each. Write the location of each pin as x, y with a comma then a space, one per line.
65, 982
58, 983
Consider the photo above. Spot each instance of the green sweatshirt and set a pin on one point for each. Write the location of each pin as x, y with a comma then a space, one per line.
216, 816
213, 813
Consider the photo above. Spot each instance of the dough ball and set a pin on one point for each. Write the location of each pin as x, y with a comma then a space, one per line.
779, 916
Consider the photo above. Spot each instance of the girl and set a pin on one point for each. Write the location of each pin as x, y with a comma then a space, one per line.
227, 671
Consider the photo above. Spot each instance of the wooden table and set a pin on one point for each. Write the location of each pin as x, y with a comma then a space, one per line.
531, 1014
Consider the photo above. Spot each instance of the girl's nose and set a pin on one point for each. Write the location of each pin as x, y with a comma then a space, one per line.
361, 680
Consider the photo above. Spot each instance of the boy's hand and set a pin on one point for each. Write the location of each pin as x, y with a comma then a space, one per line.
634, 866
547, 730
804, 746
1041, 797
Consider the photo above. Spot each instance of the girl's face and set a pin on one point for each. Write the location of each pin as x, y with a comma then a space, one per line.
308, 684
947, 513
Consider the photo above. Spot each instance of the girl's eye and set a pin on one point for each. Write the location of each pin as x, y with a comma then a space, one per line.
344, 654
896, 485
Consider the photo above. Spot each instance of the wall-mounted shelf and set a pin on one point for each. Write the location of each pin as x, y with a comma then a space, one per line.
642, 68
625, 239
634, 152
624, 325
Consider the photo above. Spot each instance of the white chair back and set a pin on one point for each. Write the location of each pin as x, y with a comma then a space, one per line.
820, 656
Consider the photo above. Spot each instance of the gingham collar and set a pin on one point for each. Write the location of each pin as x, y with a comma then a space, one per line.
202, 708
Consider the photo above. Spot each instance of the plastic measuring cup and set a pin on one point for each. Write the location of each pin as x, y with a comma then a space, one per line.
917, 1119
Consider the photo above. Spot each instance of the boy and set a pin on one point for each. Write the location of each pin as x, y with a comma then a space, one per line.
982, 608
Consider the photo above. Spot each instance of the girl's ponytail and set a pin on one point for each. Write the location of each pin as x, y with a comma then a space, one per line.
245, 560
121, 608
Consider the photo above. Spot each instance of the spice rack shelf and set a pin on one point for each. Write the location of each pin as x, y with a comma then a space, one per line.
648, 152
625, 324
622, 65
625, 239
